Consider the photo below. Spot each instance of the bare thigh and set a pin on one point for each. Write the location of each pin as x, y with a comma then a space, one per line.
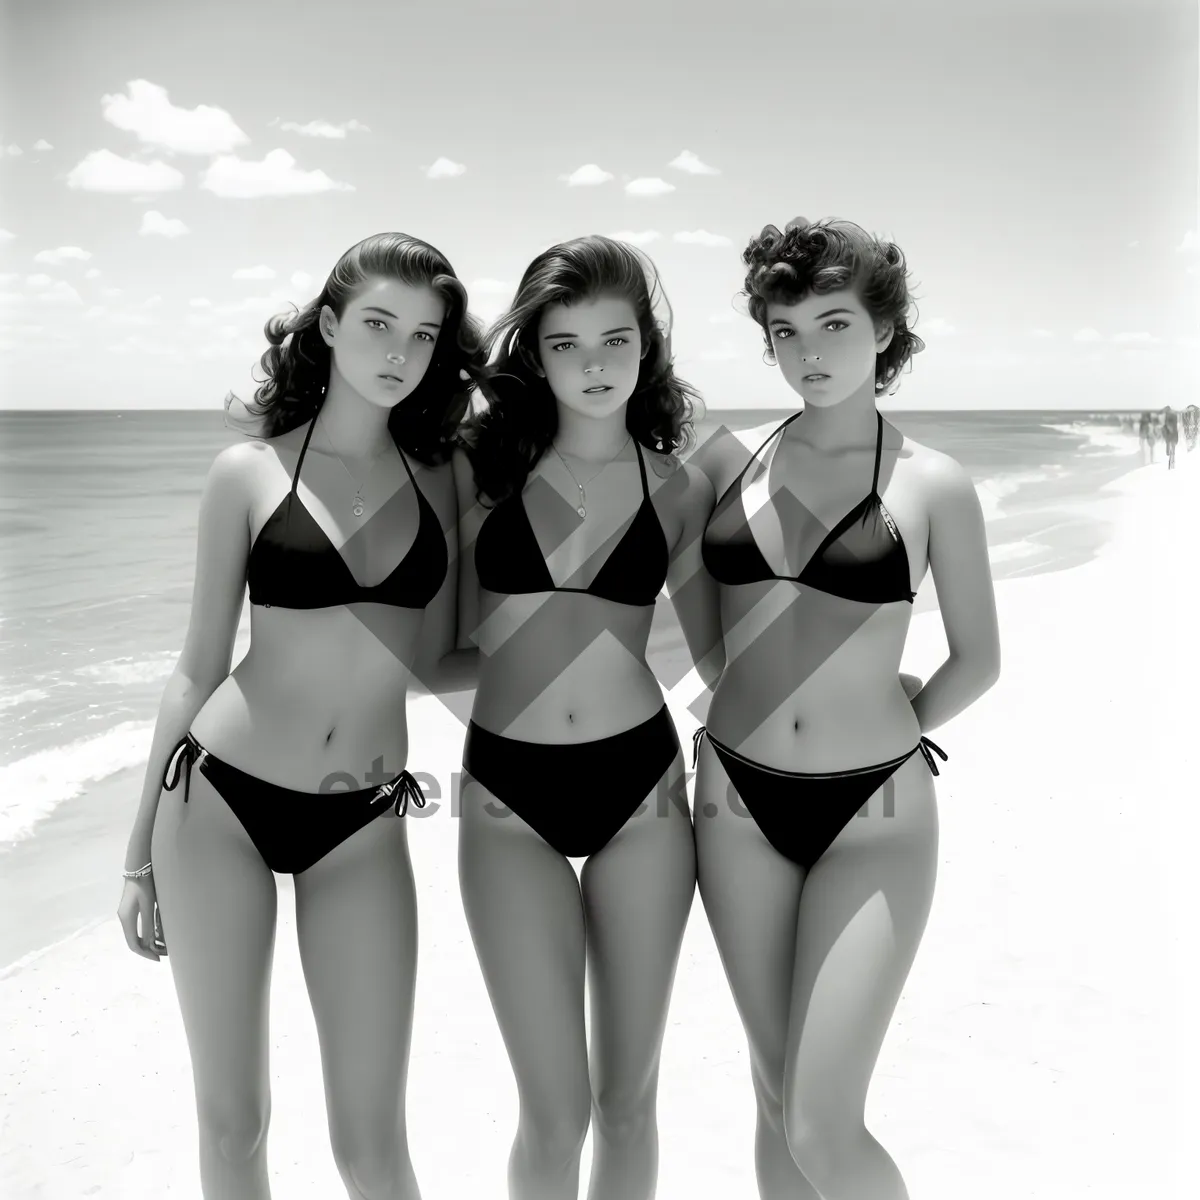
525, 913
356, 920
218, 903
862, 914
751, 895
637, 894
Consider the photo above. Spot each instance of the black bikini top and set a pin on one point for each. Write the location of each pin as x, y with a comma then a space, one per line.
862, 558
509, 561
293, 564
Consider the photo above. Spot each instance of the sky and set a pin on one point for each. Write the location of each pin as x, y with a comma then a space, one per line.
171, 175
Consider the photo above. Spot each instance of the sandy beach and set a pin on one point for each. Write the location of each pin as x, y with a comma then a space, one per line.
1040, 1049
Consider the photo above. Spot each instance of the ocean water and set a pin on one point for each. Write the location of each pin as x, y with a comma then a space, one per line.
98, 514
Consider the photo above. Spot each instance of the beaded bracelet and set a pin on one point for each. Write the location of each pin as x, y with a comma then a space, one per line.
138, 873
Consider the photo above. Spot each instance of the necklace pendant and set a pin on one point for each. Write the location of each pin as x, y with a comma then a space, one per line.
581, 511
358, 506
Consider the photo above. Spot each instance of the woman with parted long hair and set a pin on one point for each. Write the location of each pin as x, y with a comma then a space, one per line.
338, 517
576, 512
815, 815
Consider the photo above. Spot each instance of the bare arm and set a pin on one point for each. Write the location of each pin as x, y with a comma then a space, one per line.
962, 574
439, 629
693, 591
454, 663
223, 547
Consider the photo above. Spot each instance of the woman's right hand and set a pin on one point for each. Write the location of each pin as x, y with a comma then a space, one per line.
138, 900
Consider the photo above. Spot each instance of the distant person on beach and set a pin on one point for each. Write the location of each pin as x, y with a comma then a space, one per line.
1146, 437
338, 518
1170, 428
1191, 422
577, 511
819, 541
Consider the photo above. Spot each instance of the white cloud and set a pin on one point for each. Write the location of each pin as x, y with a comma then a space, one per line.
1140, 338
648, 187
13, 151
59, 292
5, 236
1190, 243
154, 223
92, 273
938, 326
11, 297
722, 318
1041, 333
636, 238
9, 279
146, 112
104, 171
56, 258
687, 161
262, 271
301, 280
1087, 335
444, 168
589, 175
111, 293
324, 129
1134, 245
42, 144
701, 237
276, 175
1188, 343
200, 302
39, 281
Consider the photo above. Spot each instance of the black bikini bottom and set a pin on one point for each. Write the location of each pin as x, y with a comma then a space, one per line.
291, 830
578, 796
801, 814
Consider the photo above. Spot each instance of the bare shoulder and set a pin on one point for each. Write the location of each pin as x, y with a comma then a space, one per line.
687, 481
942, 479
241, 463
725, 452
699, 490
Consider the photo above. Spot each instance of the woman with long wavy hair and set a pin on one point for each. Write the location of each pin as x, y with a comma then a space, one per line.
576, 512
340, 516
815, 813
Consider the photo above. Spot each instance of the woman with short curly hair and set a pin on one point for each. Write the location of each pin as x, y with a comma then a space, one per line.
338, 517
819, 542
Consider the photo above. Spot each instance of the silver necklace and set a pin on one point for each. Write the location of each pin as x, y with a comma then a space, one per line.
581, 509
358, 506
